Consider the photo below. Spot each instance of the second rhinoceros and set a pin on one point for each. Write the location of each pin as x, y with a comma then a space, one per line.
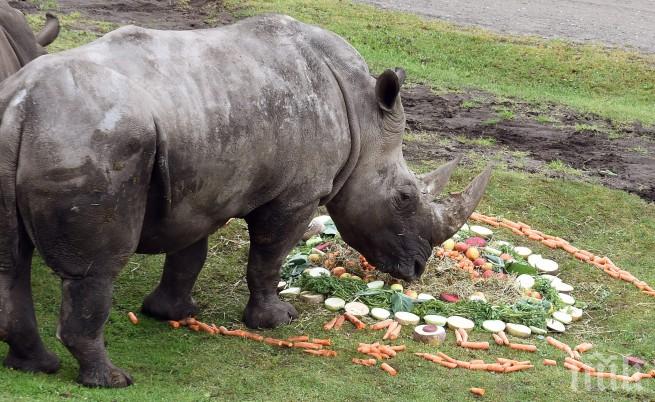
147, 141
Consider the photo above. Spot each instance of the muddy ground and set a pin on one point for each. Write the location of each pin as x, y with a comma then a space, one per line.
526, 137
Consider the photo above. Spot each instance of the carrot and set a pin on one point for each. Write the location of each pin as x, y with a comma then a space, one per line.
364, 362
550, 243
555, 343
324, 352
465, 335
476, 345
463, 364
387, 350
548, 362
510, 224
382, 324
571, 367
623, 378
174, 324
339, 322
392, 371
503, 337
580, 364
517, 232
133, 318
322, 342
447, 364
477, 391
209, 329
458, 337
503, 360
355, 321
301, 338
446, 357
584, 347
330, 324
399, 348
390, 329
476, 361
277, 342
478, 366
580, 256
498, 339
396, 332
189, 321
518, 367
254, 337
497, 368
522, 347
194, 327
306, 345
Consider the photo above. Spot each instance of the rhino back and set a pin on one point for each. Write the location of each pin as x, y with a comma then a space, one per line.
246, 113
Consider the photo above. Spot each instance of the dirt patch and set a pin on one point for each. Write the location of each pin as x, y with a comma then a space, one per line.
621, 157
157, 14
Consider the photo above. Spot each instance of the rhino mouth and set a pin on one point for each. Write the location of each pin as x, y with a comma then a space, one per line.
410, 269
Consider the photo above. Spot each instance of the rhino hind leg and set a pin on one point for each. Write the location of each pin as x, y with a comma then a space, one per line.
274, 231
172, 300
17, 319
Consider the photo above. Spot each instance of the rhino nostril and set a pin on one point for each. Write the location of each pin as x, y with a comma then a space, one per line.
418, 268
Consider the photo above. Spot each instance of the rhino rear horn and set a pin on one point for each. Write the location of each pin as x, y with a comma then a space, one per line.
435, 181
452, 212
49, 32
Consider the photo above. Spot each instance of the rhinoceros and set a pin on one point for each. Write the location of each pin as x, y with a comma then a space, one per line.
18, 45
147, 141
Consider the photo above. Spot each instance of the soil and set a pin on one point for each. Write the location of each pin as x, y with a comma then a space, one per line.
441, 125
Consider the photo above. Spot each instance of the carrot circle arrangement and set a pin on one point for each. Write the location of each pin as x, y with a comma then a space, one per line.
554, 242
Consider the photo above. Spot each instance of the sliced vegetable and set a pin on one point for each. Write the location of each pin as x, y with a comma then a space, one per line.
567, 299
546, 266
290, 293
430, 334
493, 326
424, 297
525, 281
380, 313
563, 317
492, 251
281, 285
522, 251
456, 321
518, 330
555, 325
533, 259
375, 285
312, 298
334, 303
481, 231
434, 319
562, 287
405, 318
357, 309
538, 331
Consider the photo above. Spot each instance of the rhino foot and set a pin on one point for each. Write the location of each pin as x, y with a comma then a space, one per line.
46, 362
106, 376
163, 307
270, 313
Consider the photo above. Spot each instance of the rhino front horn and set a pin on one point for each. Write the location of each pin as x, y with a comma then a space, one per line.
452, 212
435, 181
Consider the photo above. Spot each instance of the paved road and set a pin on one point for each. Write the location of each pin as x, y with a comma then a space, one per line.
626, 23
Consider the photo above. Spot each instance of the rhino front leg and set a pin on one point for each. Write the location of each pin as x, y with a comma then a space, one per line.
84, 310
172, 300
273, 233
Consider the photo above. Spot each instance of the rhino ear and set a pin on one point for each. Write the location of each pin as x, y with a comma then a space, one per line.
388, 86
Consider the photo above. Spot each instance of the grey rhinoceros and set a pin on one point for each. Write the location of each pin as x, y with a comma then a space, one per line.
147, 141
18, 45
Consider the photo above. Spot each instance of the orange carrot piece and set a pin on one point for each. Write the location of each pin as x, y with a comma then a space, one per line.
322, 342
392, 327
194, 327
496, 368
463, 364
580, 256
207, 328
476, 361
447, 364
465, 335
569, 248
253, 337
584, 347
578, 363
330, 324
518, 367
571, 367
364, 362
392, 371
446, 357
396, 332
555, 343
458, 337
306, 345
517, 232
623, 378
503, 337
174, 324
548, 362
478, 366
323, 352
340, 320
498, 339
133, 318
522, 347
382, 324
477, 391
277, 342
399, 348
355, 321
301, 338
476, 345
550, 243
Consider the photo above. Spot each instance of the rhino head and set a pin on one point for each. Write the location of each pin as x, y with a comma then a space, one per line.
387, 213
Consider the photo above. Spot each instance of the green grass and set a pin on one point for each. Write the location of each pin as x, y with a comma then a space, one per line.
481, 141
612, 83
561, 167
545, 119
183, 366
505, 114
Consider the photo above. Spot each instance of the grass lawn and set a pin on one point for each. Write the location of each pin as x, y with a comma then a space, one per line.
179, 365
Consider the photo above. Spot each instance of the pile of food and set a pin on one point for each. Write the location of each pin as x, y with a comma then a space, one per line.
323, 269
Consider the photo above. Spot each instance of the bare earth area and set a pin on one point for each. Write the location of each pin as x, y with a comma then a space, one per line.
619, 23
525, 137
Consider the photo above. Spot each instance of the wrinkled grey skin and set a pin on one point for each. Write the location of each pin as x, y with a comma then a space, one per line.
18, 45
148, 141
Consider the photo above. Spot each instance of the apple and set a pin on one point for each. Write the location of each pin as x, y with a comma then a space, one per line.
472, 253
478, 262
449, 244
461, 247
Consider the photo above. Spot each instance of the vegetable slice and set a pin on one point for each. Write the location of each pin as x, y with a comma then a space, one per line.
525, 281
334, 303
522, 251
357, 309
424, 297
375, 285
546, 266
555, 325
562, 287
318, 271
493, 326
405, 318
481, 231
311, 297
456, 321
430, 334
538, 331
290, 293
434, 319
380, 313
567, 299
518, 330
563, 317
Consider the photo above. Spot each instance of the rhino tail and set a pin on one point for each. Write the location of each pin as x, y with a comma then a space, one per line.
161, 171
11, 121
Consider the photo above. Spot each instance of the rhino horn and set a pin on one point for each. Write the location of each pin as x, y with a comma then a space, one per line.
452, 212
435, 181
49, 32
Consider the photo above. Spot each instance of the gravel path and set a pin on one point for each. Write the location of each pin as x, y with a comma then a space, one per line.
625, 23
